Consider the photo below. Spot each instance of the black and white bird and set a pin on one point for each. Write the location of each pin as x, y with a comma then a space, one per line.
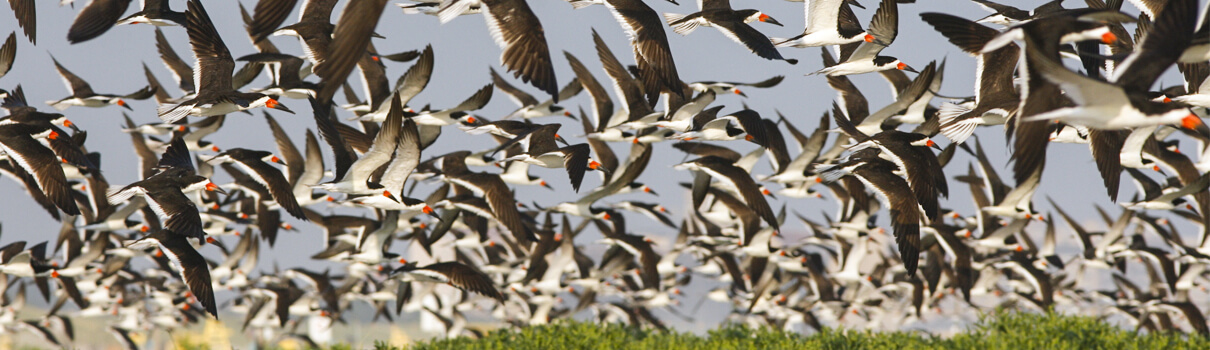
1121, 103
193, 267
732, 23
284, 71
996, 98
453, 273
82, 94
735, 180
165, 191
20, 143
539, 147
529, 106
829, 22
893, 191
212, 74
157, 13
256, 165
865, 59
910, 152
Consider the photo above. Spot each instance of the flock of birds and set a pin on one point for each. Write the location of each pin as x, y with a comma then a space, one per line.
524, 263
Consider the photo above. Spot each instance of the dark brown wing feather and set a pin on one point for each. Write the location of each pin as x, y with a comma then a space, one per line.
905, 211
630, 89
468, 278
294, 160
276, 182
46, 170
650, 44
174, 62
27, 18
522, 97
268, 16
747, 187
525, 51
1106, 146
95, 19
214, 63
31, 186
601, 101
349, 42
326, 125
194, 268
575, 161
79, 87
8, 53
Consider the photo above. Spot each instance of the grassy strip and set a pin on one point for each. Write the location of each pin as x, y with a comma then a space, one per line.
1004, 331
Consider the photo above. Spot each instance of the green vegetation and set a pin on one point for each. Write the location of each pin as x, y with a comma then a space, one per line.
1003, 331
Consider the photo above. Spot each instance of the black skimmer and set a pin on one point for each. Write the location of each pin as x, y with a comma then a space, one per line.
732, 23
634, 107
165, 191
354, 178
165, 194
529, 106
497, 197
46, 124
1006, 15
517, 173
641, 249
865, 58
894, 192
726, 87
453, 273
434, 8
745, 124
350, 42
157, 13
911, 104
194, 268
19, 142
996, 97
270, 14
508, 129
283, 70
314, 27
539, 147
910, 152
302, 171
735, 180
652, 210
411, 84
95, 19
255, 164
405, 160
457, 114
82, 94
1163, 198
1119, 104
650, 45
829, 22
212, 74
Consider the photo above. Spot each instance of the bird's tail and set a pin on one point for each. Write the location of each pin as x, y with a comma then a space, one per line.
680, 24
